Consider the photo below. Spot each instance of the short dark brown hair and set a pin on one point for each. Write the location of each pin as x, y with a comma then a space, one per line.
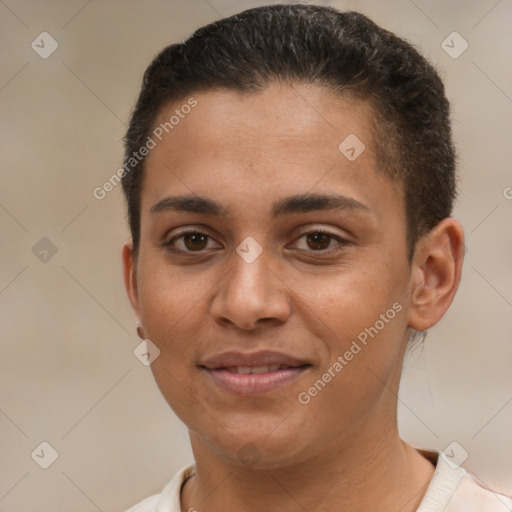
343, 51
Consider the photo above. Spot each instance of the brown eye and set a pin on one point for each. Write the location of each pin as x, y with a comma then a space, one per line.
321, 241
188, 242
195, 241
318, 240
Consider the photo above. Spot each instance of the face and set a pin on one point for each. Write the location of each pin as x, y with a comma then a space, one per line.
279, 300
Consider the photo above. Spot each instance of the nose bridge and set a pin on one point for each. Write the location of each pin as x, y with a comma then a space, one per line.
250, 291
250, 268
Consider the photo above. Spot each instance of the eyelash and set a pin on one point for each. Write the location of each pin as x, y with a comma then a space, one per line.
342, 242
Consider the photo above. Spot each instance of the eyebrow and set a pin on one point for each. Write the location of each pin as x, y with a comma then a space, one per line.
300, 203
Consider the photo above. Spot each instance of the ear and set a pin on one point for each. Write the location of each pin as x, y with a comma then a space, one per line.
436, 272
130, 277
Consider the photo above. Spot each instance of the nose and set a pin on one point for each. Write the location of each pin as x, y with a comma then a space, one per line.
251, 294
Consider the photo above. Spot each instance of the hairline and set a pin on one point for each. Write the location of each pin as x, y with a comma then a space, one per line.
378, 127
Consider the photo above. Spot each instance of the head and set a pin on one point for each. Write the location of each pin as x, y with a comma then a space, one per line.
264, 102
344, 52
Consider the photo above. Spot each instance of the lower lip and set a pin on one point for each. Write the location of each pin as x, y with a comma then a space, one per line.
254, 383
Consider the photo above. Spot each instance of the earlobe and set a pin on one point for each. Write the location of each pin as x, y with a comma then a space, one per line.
436, 272
130, 278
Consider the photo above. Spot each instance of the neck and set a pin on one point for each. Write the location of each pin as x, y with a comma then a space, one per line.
368, 470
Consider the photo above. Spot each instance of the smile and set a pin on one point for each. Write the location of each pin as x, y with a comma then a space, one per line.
246, 370
250, 381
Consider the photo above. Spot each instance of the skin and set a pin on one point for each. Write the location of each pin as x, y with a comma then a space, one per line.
247, 151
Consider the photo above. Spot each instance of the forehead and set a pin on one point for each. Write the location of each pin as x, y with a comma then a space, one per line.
279, 113
288, 138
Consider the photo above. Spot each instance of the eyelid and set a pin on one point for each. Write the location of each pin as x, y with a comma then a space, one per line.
319, 228
188, 230
342, 240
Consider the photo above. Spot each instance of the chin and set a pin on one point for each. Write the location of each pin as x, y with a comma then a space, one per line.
263, 446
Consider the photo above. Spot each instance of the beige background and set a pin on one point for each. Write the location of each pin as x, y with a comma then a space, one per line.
68, 375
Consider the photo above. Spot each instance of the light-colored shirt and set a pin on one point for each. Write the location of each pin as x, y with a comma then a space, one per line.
451, 489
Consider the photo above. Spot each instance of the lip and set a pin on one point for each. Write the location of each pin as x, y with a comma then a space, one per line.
254, 383
252, 359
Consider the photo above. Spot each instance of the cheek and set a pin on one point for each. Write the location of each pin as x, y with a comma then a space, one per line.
171, 304
167, 294
172, 309
350, 300
360, 316
364, 342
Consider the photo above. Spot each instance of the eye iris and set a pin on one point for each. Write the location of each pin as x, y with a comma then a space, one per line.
195, 237
316, 238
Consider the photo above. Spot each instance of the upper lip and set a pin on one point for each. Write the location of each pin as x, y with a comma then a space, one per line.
251, 359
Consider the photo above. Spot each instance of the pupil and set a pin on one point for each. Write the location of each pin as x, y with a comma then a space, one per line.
316, 237
195, 237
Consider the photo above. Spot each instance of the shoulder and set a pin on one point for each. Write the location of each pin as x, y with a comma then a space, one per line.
471, 495
169, 499
453, 489
147, 505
